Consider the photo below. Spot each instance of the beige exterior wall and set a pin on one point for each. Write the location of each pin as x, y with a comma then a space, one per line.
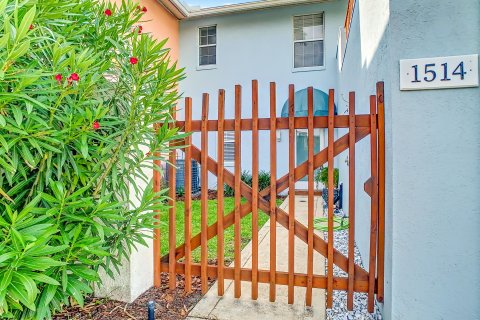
161, 24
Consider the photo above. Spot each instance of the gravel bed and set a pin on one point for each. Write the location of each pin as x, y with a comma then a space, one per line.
339, 310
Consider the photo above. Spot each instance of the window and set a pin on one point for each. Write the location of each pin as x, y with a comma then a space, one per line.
229, 148
309, 34
208, 46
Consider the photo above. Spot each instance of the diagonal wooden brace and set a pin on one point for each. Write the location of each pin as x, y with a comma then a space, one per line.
301, 231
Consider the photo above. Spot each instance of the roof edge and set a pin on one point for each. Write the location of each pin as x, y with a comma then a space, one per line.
247, 6
176, 8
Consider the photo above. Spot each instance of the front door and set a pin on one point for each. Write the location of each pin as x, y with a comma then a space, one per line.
302, 150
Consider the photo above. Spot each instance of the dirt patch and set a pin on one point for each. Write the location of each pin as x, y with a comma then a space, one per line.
169, 304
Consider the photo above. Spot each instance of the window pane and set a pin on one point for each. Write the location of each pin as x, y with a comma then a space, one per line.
318, 32
204, 51
212, 39
308, 60
208, 55
212, 60
203, 41
203, 32
298, 61
318, 53
308, 27
212, 31
308, 54
298, 33
229, 150
203, 60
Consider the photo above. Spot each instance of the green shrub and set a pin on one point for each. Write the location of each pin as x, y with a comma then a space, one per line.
322, 176
263, 182
80, 91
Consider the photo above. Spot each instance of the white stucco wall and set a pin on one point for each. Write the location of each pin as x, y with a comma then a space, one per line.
136, 274
255, 45
433, 156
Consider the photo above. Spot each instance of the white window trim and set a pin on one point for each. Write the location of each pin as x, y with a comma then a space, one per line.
207, 66
306, 69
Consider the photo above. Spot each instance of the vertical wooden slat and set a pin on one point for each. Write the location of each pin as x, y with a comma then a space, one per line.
254, 189
157, 182
188, 196
374, 206
310, 199
273, 190
220, 191
381, 190
172, 236
351, 201
204, 197
331, 132
238, 172
291, 193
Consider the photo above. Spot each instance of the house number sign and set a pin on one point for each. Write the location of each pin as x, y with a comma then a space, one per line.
439, 73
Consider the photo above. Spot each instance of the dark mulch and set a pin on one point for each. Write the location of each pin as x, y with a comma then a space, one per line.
169, 305
212, 195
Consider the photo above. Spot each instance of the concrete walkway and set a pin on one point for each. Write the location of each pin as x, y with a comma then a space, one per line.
228, 308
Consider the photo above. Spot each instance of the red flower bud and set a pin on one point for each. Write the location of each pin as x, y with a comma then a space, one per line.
108, 12
31, 27
59, 78
140, 29
74, 77
133, 60
144, 9
139, 8
96, 125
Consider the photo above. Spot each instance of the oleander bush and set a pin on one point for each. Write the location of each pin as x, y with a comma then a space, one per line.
81, 87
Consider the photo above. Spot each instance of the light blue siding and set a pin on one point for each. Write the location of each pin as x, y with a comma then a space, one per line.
256, 45
433, 156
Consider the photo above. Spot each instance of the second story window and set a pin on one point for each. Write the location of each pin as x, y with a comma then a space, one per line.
208, 46
309, 34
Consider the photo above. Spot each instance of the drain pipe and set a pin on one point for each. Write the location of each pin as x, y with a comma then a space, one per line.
151, 310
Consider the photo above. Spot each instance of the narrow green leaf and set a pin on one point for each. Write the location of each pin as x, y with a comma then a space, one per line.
25, 24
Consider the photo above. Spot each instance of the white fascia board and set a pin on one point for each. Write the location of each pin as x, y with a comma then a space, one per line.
255, 5
176, 8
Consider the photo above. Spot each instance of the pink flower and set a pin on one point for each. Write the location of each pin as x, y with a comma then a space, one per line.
108, 12
59, 78
133, 60
74, 77
96, 125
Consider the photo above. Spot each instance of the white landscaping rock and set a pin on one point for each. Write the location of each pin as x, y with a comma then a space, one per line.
339, 310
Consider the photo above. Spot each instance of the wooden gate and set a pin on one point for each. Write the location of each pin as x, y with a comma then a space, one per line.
360, 126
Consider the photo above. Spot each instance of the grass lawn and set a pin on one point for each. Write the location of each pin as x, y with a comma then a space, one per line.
246, 227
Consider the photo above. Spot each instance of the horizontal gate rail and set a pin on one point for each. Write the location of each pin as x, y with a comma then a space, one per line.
281, 278
341, 121
359, 127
